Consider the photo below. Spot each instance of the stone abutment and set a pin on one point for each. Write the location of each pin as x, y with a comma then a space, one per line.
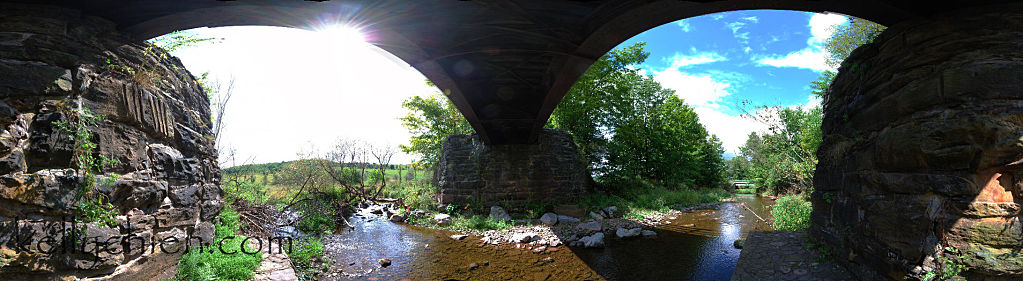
155, 122
923, 139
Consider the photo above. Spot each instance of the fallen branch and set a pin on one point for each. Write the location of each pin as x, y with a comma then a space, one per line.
751, 211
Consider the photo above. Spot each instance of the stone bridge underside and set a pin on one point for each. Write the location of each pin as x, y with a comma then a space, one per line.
923, 133
506, 64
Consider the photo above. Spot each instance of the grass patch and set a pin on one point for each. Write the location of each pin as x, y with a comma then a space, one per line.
214, 264
306, 256
480, 223
791, 212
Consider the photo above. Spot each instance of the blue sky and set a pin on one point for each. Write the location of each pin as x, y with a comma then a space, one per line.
717, 61
714, 62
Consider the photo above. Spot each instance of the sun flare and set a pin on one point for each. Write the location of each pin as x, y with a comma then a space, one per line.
343, 35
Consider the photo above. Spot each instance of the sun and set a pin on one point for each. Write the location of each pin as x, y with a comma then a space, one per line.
338, 34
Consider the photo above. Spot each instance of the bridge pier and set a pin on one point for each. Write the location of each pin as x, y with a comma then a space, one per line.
923, 139
470, 172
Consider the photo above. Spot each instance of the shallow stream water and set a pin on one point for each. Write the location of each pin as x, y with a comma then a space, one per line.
697, 245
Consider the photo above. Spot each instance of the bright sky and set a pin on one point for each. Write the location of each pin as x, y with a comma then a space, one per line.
298, 89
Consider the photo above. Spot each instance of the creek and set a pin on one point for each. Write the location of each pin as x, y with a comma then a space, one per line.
695, 245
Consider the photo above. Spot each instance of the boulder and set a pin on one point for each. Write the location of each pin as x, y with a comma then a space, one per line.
596, 216
610, 212
524, 237
397, 218
442, 219
459, 236
592, 226
499, 214
549, 219
567, 219
593, 241
628, 233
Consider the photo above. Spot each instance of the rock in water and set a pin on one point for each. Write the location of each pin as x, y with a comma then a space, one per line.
397, 218
384, 262
628, 233
499, 214
441, 219
459, 236
649, 233
739, 243
593, 226
549, 219
593, 241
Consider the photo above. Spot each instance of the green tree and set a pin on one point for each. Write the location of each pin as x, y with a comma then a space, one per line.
846, 38
628, 127
431, 120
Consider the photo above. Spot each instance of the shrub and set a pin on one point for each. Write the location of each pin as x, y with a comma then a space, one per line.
316, 222
791, 212
213, 264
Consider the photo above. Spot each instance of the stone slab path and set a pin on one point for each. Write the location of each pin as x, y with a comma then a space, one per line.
783, 255
275, 266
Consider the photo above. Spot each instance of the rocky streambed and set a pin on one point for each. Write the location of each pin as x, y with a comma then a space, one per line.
690, 244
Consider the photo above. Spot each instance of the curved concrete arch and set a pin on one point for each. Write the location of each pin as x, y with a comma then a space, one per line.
505, 64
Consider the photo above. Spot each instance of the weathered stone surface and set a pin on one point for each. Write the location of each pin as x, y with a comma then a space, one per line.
550, 170
54, 60
441, 219
921, 144
628, 233
549, 219
593, 241
141, 194
499, 214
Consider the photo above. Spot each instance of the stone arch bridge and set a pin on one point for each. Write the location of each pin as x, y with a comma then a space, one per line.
922, 128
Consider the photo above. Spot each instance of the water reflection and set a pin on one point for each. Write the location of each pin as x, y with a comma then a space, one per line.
694, 246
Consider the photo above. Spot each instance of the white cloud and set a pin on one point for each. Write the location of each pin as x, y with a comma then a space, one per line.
823, 25
813, 56
693, 58
686, 27
705, 92
717, 16
696, 90
752, 19
732, 130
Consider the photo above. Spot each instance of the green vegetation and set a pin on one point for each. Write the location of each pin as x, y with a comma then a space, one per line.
88, 162
306, 255
481, 223
216, 264
430, 121
791, 212
641, 201
950, 265
783, 159
632, 130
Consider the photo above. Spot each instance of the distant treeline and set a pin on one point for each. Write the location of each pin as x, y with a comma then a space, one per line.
272, 168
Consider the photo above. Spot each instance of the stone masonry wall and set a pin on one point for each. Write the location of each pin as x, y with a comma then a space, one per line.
474, 173
923, 136
156, 125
